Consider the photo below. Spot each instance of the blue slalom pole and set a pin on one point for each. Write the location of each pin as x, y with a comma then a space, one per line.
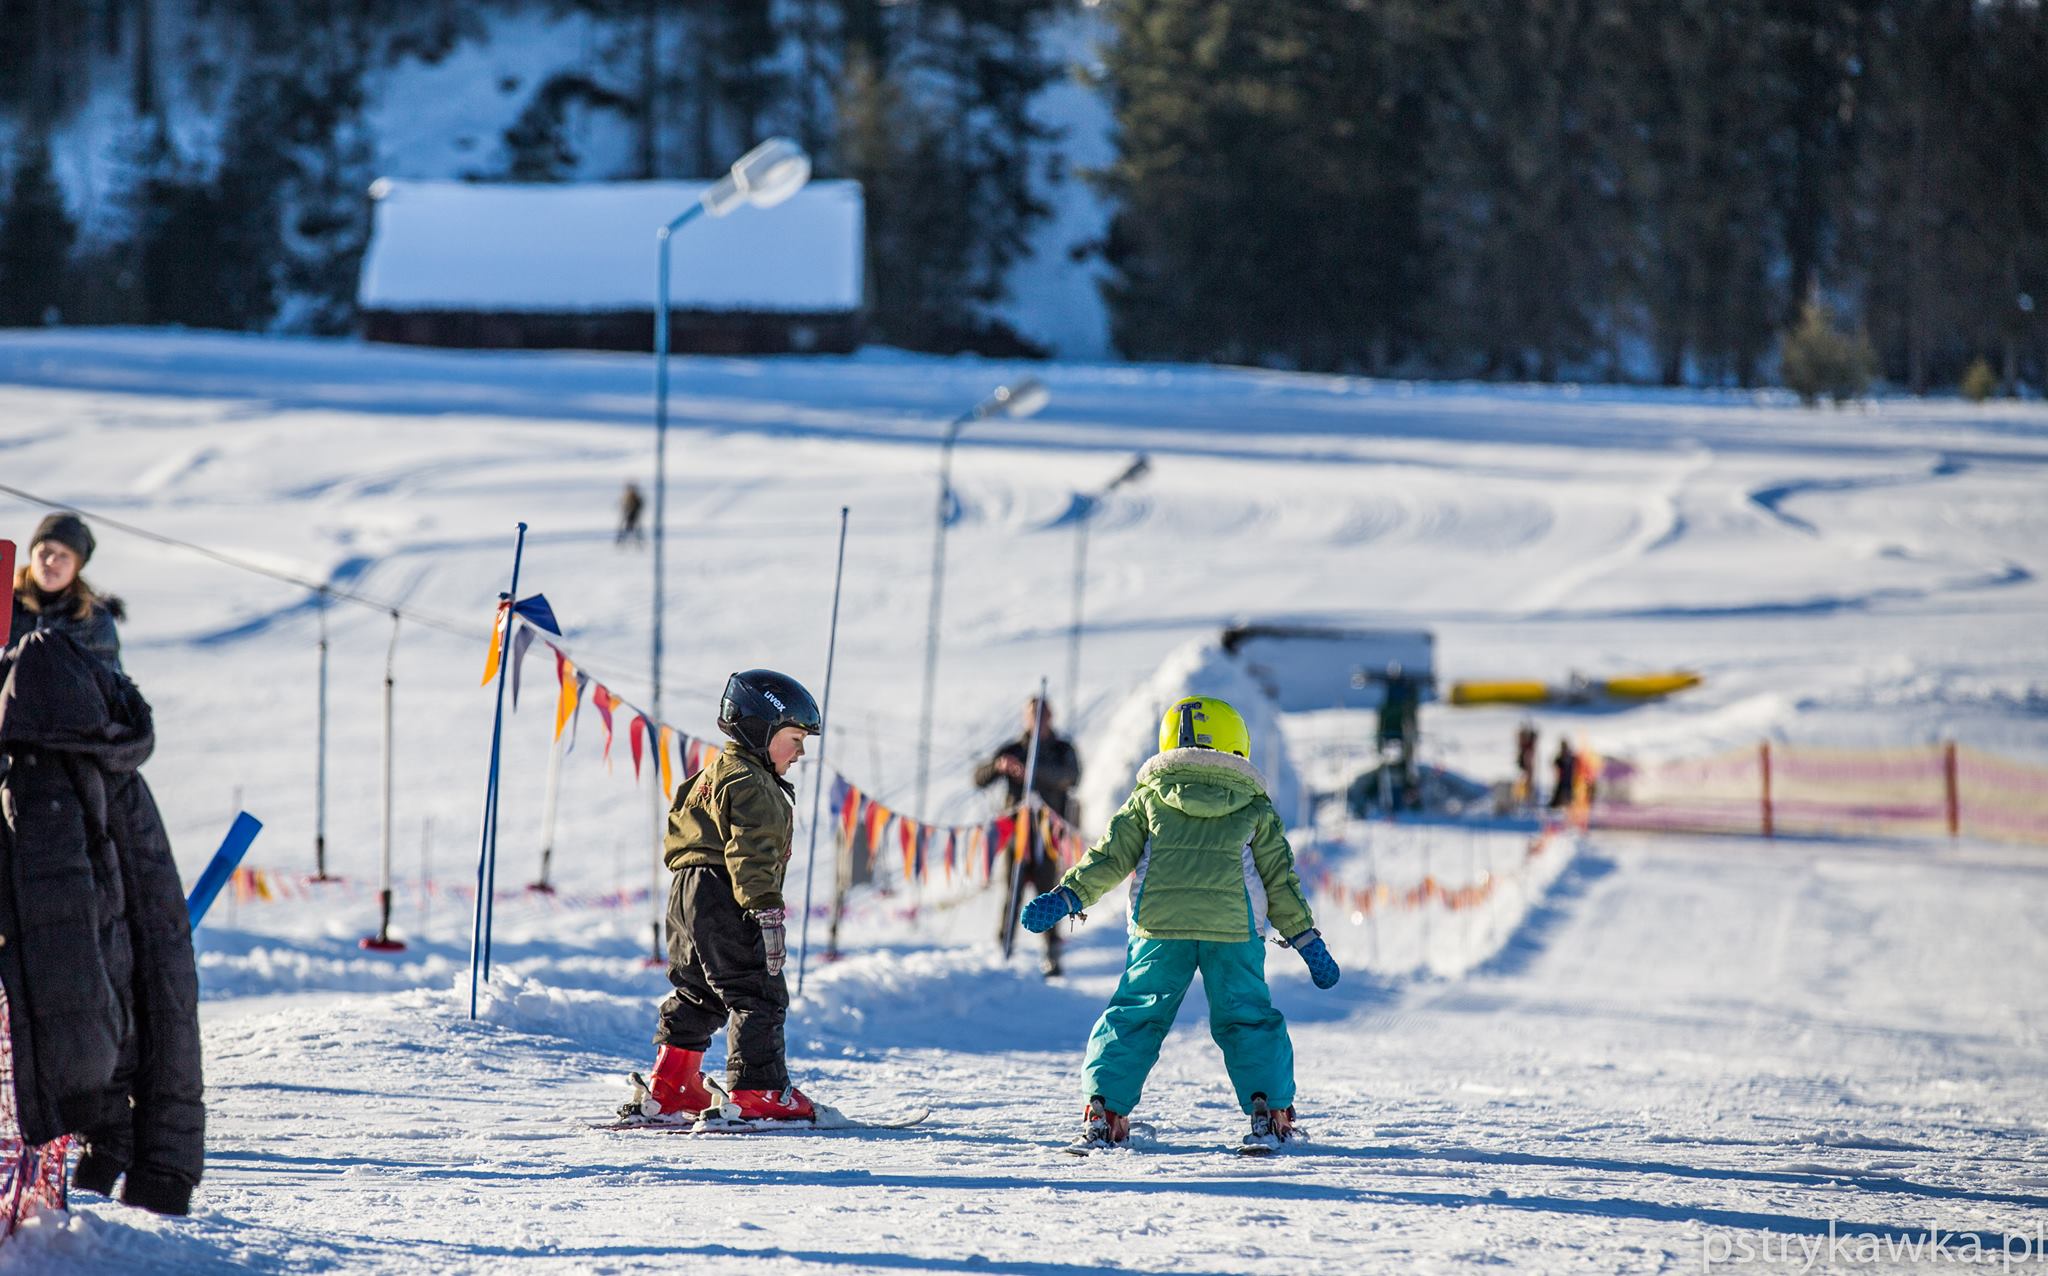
487, 841
222, 866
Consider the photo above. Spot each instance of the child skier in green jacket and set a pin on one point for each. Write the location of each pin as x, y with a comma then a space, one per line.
1212, 866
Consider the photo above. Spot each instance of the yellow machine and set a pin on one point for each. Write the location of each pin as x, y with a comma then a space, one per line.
1638, 686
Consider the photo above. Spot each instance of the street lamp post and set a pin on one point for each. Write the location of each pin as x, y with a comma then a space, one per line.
1136, 470
763, 178
1026, 398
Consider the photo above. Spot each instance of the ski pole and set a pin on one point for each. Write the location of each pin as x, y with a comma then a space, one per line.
803, 951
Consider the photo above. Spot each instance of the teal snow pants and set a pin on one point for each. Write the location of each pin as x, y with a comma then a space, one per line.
1157, 972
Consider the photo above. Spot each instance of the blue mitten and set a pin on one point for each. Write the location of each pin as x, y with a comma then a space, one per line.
1322, 968
1044, 913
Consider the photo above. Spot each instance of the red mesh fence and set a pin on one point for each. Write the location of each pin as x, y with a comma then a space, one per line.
1934, 790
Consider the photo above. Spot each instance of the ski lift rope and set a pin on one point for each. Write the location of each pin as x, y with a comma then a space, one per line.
324, 589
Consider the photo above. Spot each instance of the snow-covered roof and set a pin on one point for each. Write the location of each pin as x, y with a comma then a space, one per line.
591, 247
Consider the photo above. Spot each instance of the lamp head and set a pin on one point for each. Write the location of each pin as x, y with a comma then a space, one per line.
763, 177
1026, 398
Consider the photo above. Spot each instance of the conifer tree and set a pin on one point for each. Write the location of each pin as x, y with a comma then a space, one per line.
36, 234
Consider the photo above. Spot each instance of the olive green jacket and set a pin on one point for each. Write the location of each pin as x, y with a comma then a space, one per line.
1206, 850
735, 814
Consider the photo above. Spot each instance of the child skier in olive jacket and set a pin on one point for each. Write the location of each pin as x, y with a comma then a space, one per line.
1212, 867
728, 844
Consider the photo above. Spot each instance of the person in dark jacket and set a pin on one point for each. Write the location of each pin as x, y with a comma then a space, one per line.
730, 830
95, 946
50, 592
1566, 771
1057, 771
630, 505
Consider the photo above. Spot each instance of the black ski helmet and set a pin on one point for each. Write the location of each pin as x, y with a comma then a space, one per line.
759, 702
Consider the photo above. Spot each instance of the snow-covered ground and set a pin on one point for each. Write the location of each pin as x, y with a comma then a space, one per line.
1639, 1050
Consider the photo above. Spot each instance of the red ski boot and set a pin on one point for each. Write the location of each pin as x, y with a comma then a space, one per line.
677, 1087
1100, 1129
774, 1105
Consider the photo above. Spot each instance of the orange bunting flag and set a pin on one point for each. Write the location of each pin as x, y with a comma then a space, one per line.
952, 846
668, 784
633, 730
604, 700
571, 687
497, 637
907, 831
878, 820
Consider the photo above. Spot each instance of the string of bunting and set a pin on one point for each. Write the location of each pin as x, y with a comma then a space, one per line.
929, 853
263, 886
933, 853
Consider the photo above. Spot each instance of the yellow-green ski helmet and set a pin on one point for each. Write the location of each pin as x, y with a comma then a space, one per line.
1204, 722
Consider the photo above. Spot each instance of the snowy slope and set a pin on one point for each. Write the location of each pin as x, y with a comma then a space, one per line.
1674, 1035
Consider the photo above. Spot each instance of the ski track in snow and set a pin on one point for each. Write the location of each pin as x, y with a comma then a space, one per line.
1626, 1055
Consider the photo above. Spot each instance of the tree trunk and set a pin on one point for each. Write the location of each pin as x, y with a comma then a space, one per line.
147, 104
650, 91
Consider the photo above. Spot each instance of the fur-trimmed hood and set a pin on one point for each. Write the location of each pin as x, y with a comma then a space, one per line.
1203, 782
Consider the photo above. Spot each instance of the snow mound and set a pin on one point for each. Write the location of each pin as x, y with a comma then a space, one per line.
1130, 735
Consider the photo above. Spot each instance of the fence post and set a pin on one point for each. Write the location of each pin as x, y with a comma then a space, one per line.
1763, 750
1955, 805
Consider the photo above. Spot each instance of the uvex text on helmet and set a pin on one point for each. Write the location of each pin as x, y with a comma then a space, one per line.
759, 702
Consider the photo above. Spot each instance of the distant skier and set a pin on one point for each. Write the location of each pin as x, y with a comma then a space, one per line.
728, 843
1055, 772
1210, 860
51, 593
1567, 769
1525, 764
1397, 728
630, 505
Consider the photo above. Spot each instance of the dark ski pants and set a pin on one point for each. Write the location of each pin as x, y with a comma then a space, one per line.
719, 967
1041, 874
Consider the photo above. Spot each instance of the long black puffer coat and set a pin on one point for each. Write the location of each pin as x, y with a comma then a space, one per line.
95, 946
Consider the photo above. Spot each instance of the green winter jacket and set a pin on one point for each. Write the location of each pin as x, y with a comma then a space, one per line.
735, 814
1207, 851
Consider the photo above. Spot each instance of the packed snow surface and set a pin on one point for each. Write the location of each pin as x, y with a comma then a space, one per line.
1635, 1054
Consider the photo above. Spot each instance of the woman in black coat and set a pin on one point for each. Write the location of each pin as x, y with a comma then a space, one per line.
95, 947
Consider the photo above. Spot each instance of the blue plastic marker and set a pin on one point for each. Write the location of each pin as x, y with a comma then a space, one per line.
223, 865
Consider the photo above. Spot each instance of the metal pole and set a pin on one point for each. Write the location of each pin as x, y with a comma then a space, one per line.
549, 805
656, 898
382, 941
1138, 467
803, 951
486, 858
426, 874
320, 764
1074, 632
661, 345
931, 628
